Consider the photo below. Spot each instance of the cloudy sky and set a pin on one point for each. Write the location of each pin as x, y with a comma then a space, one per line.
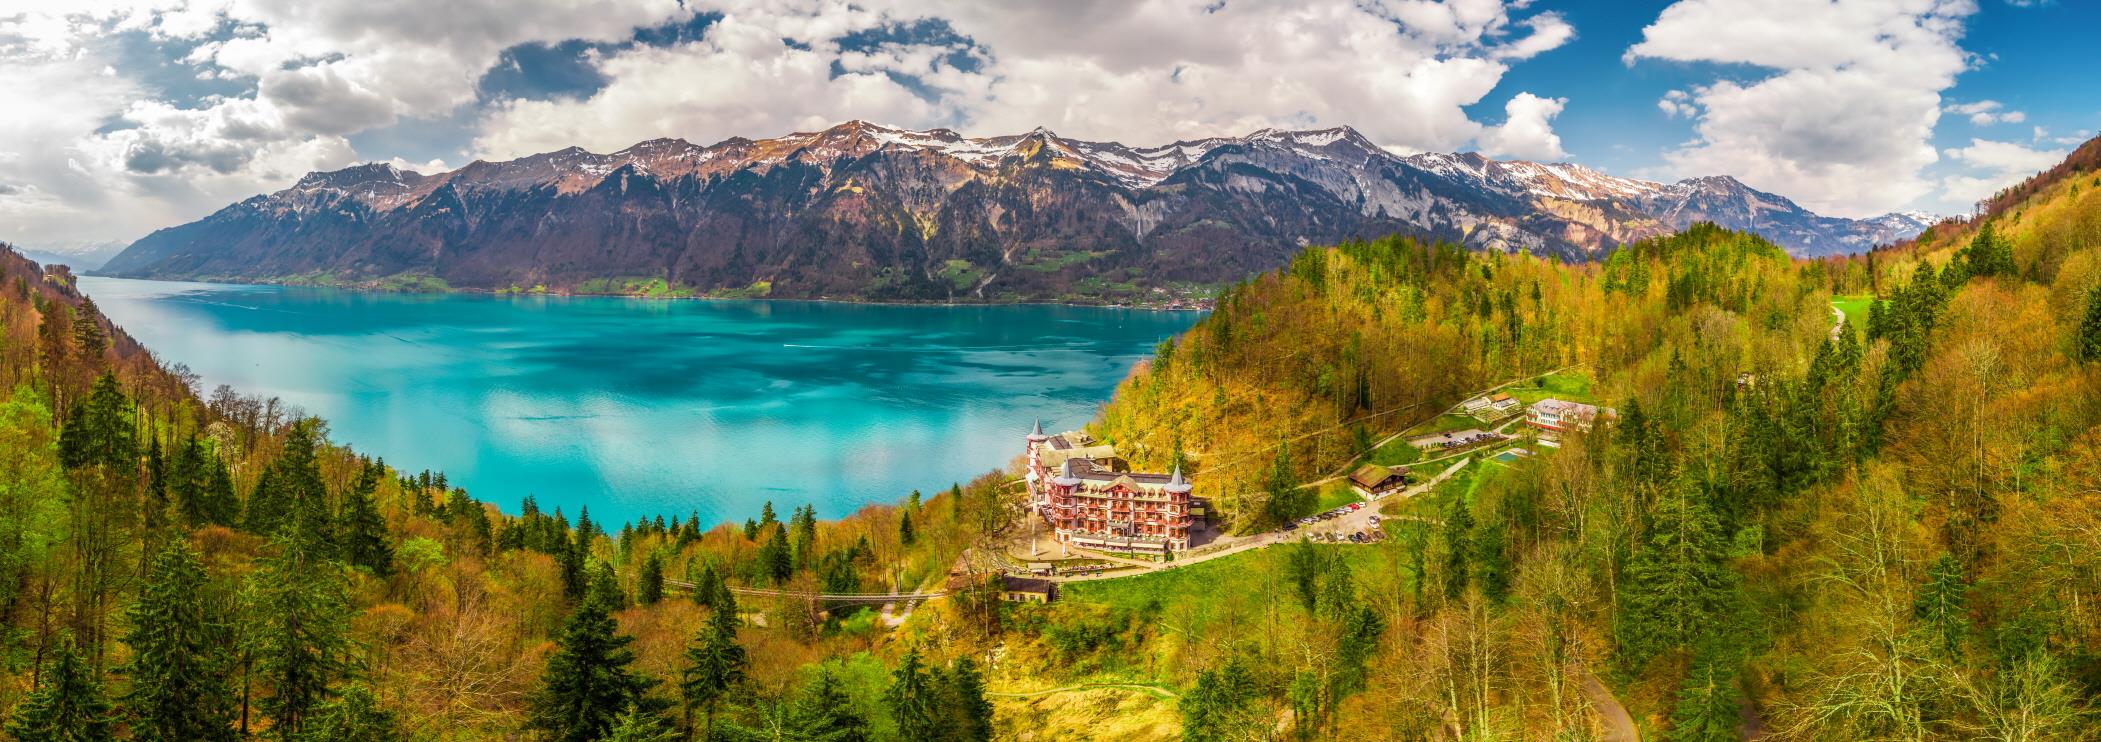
118, 117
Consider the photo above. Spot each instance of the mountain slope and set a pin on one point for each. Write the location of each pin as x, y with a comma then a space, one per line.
870, 212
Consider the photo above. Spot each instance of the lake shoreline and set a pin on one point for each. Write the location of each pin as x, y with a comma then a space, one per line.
1201, 305
640, 407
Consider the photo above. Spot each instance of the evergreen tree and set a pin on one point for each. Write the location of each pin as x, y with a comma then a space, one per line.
905, 534
99, 431
911, 697
88, 336
1222, 705
364, 531
649, 583
637, 726
1492, 561
189, 481
292, 493
590, 681
179, 668
1940, 605
766, 516
67, 707
154, 510
1678, 583
707, 585
804, 536
715, 662
1458, 535
575, 580
775, 557
829, 708
1708, 708
221, 506
1285, 502
354, 716
2088, 349
968, 714
300, 604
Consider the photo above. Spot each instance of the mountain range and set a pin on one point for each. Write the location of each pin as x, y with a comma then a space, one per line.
861, 211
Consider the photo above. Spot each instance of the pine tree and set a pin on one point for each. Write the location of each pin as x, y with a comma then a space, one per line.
1678, 583
905, 534
1940, 604
221, 506
87, 333
576, 582
649, 587
364, 531
1708, 708
1458, 535
829, 708
67, 707
969, 715
766, 516
1283, 489
715, 662
1223, 705
637, 726
590, 681
300, 603
706, 585
912, 700
774, 556
2089, 344
154, 510
354, 716
179, 669
99, 431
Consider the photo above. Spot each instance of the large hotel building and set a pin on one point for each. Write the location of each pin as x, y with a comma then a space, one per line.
1081, 489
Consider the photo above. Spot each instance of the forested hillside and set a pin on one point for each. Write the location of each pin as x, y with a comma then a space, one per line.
1840, 499
1890, 530
174, 567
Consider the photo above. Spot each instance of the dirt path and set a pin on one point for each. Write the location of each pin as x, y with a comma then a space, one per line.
1619, 725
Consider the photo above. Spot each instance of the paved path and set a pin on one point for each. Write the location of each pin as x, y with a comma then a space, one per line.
1151, 690
1838, 320
1619, 725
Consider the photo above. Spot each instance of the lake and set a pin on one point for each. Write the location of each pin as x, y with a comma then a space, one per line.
640, 407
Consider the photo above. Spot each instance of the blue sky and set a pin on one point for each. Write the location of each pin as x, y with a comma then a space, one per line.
148, 113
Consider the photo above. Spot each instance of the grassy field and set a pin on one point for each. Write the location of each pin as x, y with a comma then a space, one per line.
1855, 308
1396, 452
1573, 386
1442, 424
1237, 582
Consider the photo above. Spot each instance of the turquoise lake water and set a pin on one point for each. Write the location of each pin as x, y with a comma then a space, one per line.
640, 407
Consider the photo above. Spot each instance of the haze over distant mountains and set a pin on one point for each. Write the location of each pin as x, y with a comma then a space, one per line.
867, 212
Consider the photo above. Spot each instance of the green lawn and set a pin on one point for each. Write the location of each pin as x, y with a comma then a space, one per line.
1334, 495
1855, 308
1444, 423
1573, 386
1231, 583
1396, 452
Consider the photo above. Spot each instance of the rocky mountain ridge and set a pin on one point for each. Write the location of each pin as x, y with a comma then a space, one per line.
862, 211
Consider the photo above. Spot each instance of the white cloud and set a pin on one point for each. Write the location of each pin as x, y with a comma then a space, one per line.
1143, 72
1986, 113
1527, 132
1843, 119
320, 72
120, 158
1994, 165
1677, 103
